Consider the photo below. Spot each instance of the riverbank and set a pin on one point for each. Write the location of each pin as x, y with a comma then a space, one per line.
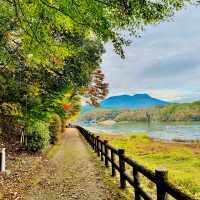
182, 159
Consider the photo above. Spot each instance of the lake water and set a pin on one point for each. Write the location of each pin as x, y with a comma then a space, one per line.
167, 131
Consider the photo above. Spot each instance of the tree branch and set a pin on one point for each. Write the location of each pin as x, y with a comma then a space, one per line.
64, 13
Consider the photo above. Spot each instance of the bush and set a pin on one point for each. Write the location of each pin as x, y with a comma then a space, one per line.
63, 126
55, 127
10, 113
37, 136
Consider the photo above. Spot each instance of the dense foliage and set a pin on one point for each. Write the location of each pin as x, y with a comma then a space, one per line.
49, 51
55, 126
37, 136
171, 112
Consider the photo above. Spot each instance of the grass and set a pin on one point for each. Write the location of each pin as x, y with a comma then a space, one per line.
181, 159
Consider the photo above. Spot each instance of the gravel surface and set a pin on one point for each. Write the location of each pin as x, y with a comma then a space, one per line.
71, 173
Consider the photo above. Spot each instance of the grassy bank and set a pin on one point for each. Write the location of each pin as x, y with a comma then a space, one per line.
181, 159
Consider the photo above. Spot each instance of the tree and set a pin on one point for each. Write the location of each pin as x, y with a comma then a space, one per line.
35, 21
98, 89
42, 89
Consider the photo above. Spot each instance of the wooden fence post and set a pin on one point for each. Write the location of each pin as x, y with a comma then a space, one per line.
162, 176
113, 161
86, 135
98, 152
102, 151
122, 168
93, 142
106, 152
2, 160
136, 184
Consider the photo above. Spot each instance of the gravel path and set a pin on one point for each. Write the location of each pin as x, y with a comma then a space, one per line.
71, 173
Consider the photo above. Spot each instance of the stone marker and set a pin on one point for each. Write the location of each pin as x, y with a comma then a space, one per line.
2, 160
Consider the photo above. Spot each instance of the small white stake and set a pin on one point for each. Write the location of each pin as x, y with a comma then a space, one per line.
3, 160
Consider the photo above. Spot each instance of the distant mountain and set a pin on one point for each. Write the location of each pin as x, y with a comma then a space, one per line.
135, 101
128, 101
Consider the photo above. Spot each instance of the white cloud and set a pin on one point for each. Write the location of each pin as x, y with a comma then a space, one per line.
165, 62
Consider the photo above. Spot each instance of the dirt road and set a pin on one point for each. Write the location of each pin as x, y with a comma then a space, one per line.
71, 173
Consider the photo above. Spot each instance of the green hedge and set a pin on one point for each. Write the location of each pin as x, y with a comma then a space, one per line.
37, 136
55, 127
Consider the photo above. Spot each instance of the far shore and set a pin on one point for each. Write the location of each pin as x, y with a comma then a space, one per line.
136, 135
111, 122
107, 122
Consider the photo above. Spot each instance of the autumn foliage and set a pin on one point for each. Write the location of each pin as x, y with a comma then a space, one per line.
98, 88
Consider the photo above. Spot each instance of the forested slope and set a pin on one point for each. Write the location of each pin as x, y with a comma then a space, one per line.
171, 112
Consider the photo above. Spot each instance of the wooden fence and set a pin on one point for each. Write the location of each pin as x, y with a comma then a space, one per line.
109, 154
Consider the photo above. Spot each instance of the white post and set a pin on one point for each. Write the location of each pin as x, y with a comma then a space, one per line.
3, 160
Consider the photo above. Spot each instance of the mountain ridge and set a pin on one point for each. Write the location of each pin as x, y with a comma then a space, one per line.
132, 101
136, 101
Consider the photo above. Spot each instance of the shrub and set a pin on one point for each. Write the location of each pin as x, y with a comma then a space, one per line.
139, 136
10, 113
37, 136
55, 127
63, 126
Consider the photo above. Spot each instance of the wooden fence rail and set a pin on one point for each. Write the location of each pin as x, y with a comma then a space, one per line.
108, 155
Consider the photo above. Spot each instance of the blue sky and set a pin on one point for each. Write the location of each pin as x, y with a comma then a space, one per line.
164, 62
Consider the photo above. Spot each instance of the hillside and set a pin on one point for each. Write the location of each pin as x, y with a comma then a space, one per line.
171, 112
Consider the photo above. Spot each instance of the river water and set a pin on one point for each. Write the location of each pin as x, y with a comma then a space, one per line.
166, 131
